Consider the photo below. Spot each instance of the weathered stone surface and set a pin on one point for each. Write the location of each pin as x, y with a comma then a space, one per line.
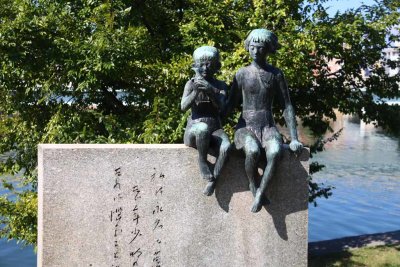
81, 191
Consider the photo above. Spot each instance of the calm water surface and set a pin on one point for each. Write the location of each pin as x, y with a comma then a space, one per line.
11, 255
363, 165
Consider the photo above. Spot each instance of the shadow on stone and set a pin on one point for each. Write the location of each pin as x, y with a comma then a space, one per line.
286, 191
231, 180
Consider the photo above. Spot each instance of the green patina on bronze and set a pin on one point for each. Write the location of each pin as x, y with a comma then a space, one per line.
254, 88
206, 96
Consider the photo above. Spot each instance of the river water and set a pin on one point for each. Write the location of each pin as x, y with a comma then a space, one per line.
364, 167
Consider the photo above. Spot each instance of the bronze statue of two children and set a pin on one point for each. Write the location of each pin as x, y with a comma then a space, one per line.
253, 88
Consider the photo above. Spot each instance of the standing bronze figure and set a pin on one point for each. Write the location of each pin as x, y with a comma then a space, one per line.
254, 87
206, 96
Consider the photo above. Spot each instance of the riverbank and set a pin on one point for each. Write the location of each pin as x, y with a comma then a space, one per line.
382, 249
316, 249
370, 256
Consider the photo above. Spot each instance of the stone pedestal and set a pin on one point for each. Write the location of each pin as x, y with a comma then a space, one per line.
142, 205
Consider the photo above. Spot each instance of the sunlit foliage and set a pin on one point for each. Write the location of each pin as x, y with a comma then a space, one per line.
62, 64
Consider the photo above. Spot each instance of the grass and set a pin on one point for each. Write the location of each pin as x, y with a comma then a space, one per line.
380, 256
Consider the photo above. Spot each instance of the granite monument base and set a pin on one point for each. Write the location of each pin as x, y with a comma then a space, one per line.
142, 205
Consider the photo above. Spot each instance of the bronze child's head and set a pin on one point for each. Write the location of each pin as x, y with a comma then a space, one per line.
261, 42
206, 60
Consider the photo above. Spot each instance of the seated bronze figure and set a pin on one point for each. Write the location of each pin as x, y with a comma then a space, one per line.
206, 96
254, 88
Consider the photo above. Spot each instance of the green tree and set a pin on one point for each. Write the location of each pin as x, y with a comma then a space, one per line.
113, 71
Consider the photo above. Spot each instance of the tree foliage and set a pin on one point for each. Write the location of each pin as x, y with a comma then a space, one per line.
113, 71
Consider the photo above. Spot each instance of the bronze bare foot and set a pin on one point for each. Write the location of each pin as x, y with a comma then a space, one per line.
258, 202
209, 190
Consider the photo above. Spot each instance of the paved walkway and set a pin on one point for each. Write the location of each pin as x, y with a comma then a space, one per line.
341, 244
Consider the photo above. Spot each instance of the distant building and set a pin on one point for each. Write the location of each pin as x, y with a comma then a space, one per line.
392, 54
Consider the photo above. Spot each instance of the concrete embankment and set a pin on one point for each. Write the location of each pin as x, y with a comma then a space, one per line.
352, 242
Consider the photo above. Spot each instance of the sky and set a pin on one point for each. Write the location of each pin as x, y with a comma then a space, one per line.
342, 5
